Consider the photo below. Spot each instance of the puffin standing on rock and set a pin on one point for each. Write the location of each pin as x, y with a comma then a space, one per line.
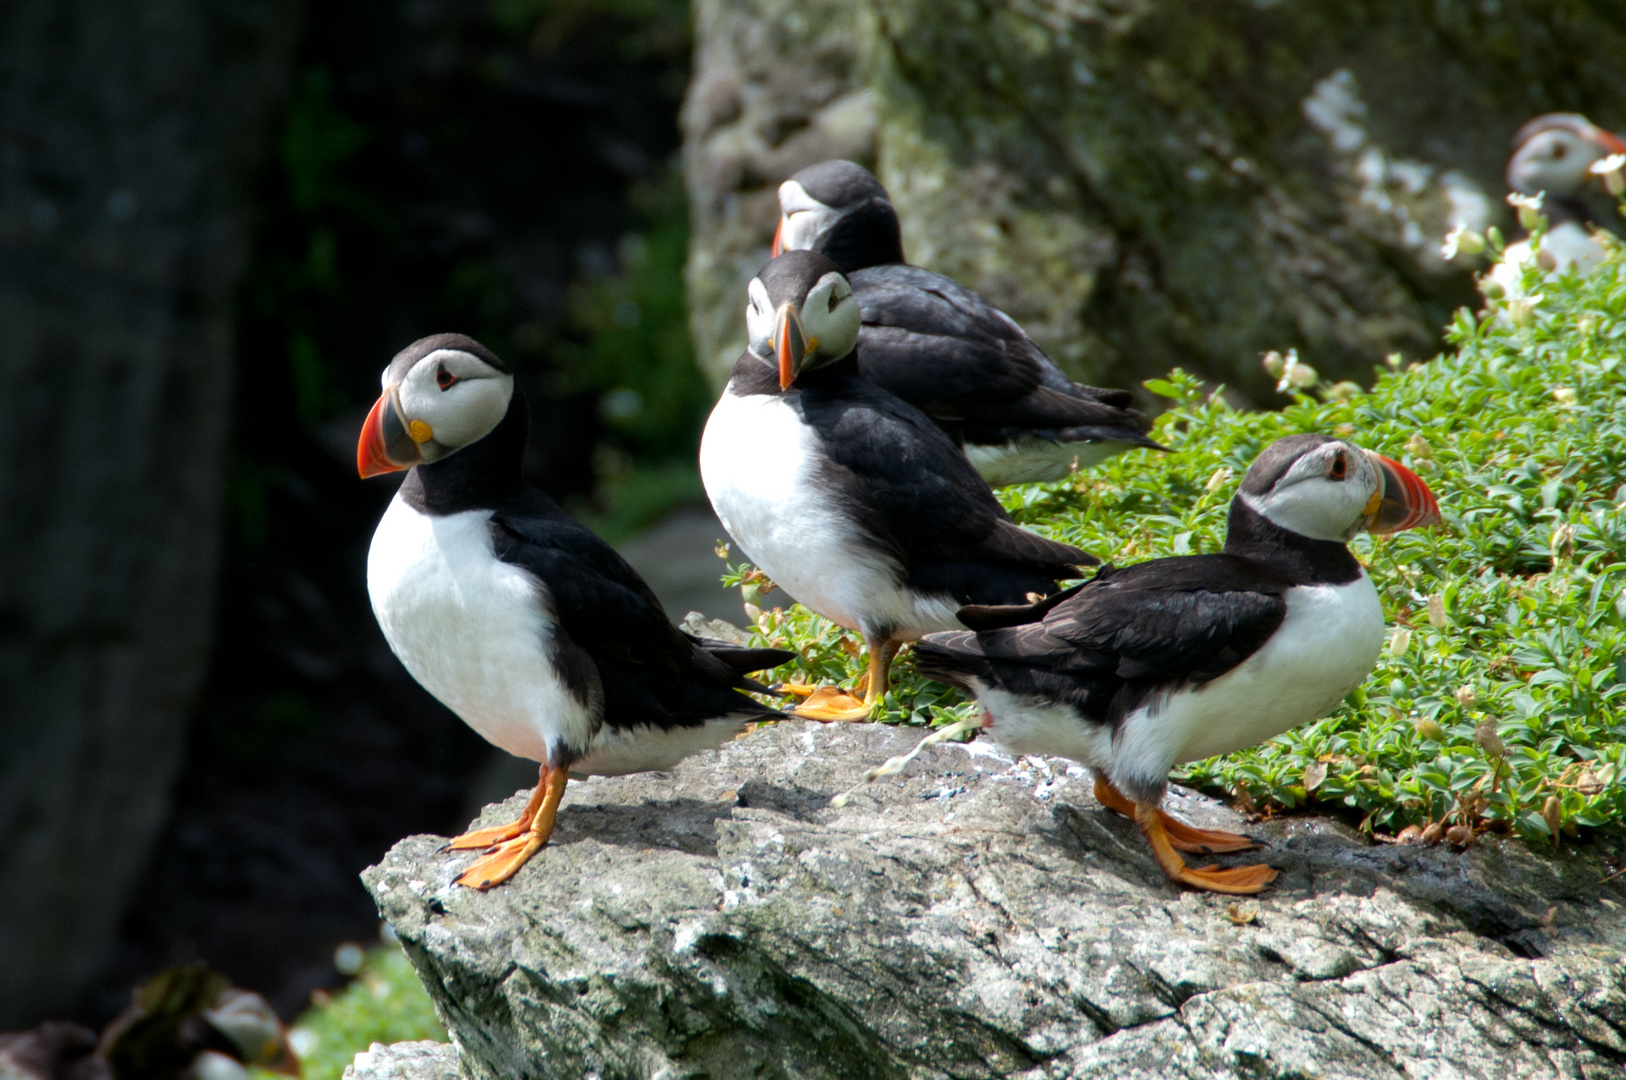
848, 497
1553, 156
945, 349
516, 616
1183, 658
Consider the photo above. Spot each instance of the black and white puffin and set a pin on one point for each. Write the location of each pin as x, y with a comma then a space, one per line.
516, 616
945, 349
849, 497
1553, 157
1182, 658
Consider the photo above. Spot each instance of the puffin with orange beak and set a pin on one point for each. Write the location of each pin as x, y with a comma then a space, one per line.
1554, 157
848, 497
516, 616
1184, 658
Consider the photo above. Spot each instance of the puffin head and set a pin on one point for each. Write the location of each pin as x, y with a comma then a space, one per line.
1329, 489
815, 199
802, 314
1554, 153
441, 393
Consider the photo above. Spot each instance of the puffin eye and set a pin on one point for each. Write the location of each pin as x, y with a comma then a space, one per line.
1559, 150
834, 300
1340, 467
443, 378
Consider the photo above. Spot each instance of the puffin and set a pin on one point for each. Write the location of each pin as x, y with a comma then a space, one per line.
849, 497
1553, 157
945, 349
1183, 658
517, 617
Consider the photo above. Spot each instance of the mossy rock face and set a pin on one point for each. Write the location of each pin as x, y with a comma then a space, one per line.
1145, 184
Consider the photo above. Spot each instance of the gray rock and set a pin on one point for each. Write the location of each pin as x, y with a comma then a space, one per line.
1142, 185
978, 917
405, 1061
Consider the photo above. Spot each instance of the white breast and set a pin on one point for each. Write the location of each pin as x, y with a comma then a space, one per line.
759, 463
1326, 645
472, 629
1569, 243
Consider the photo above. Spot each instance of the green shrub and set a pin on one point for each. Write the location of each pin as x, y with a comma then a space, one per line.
1499, 701
384, 1003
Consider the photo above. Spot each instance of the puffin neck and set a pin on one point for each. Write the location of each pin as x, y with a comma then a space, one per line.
824, 374
480, 476
867, 235
1307, 562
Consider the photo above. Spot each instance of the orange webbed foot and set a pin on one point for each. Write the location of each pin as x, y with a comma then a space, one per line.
1236, 881
1195, 841
1182, 837
502, 862
510, 853
829, 703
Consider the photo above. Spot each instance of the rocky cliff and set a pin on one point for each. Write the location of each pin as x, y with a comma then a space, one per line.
979, 917
1148, 183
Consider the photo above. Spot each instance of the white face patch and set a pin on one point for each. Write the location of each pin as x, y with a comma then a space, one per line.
459, 396
1323, 495
804, 219
830, 315
759, 318
1555, 161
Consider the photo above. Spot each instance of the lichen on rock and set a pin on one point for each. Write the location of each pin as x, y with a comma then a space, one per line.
982, 917
1143, 185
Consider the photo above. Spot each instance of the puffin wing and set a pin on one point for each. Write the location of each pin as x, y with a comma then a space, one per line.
935, 343
916, 494
957, 357
608, 618
1183, 619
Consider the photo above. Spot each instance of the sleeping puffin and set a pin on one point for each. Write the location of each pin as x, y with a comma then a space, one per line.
1183, 658
849, 497
1553, 157
945, 349
516, 616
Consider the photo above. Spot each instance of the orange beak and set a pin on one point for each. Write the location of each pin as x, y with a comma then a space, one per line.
1611, 143
385, 444
1406, 502
778, 248
790, 342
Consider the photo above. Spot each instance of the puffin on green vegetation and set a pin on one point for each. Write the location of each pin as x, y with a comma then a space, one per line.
1184, 658
848, 497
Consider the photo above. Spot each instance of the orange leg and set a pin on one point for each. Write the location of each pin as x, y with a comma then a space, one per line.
827, 703
504, 860
1182, 837
1238, 881
480, 839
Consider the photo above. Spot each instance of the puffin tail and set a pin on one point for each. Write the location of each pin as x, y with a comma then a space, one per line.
745, 660
954, 657
999, 616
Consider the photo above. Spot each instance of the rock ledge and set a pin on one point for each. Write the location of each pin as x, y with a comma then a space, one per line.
979, 917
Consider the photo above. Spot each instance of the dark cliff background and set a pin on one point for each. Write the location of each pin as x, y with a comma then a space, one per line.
207, 737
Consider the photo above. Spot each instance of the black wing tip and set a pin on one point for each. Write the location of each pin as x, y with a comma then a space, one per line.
981, 617
744, 658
